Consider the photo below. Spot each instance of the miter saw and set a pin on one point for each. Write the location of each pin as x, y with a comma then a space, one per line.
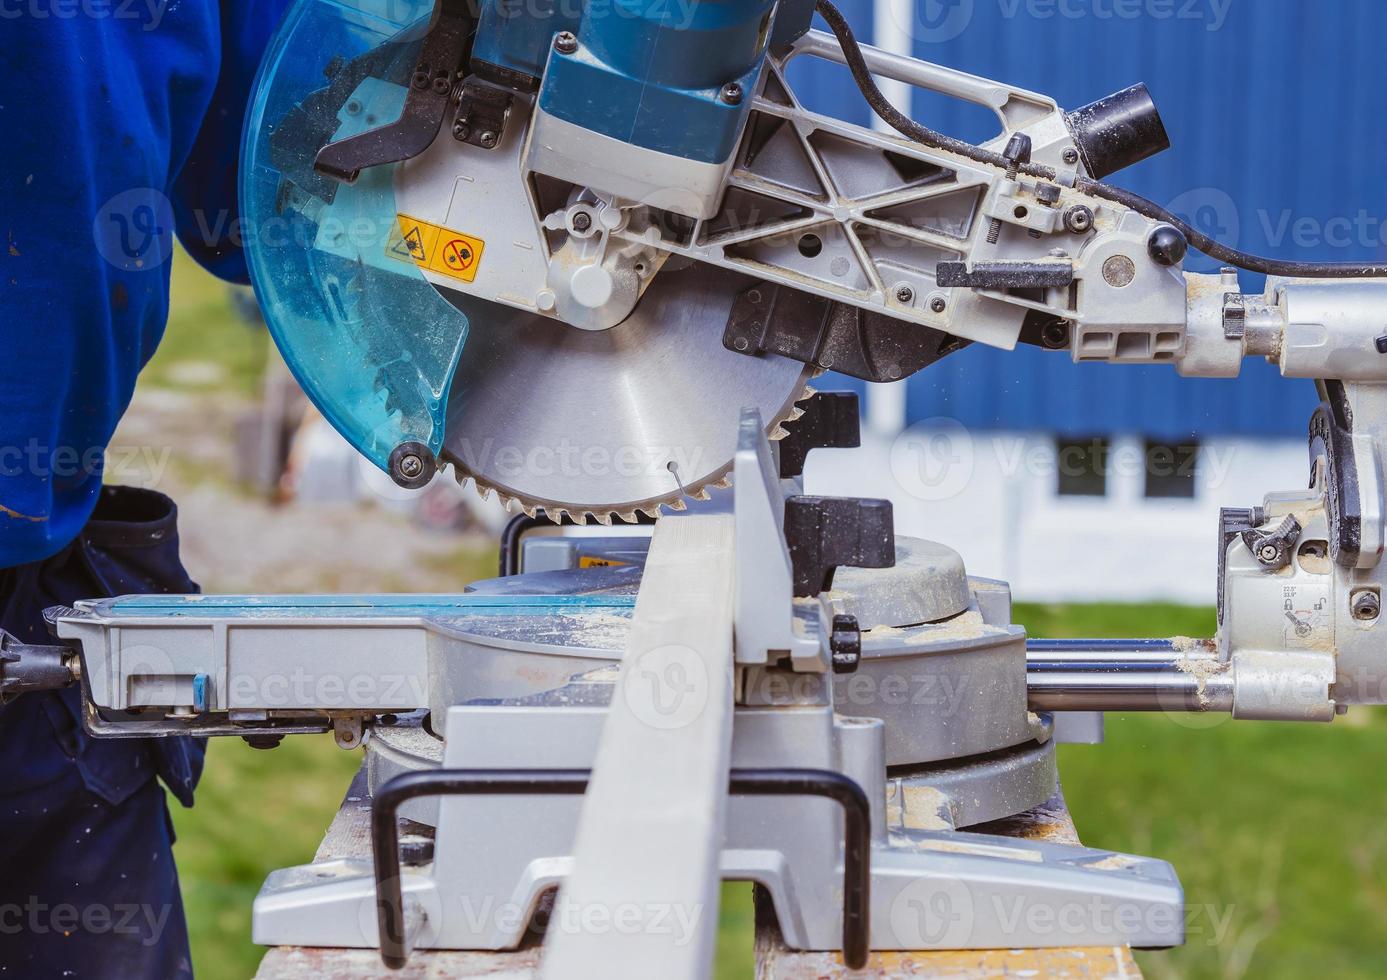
588, 256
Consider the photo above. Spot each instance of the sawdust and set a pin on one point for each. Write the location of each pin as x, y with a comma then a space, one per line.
1113, 862
598, 630
962, 627
918, 808
1200, 667
881, 632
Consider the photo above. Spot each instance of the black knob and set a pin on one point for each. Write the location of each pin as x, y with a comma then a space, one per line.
845, 644
1167, 246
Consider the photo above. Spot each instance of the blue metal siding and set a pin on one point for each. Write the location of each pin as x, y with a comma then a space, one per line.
1274, 113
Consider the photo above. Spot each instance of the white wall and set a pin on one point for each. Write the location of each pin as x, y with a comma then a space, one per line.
992, 496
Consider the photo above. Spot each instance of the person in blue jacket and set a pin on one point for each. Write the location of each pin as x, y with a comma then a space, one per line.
121, 124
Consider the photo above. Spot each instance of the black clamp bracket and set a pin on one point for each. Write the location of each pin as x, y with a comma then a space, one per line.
483, 110
426, 104
1331, 437
831, 420
1233, 522
825, 532
770, 319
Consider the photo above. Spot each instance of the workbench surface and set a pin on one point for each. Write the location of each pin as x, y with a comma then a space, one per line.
349, 836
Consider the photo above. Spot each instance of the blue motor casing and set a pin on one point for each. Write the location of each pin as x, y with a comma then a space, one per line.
646, 72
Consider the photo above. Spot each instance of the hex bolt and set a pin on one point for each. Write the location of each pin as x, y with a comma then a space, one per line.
938, 304
731, 93
1366, 606
565, 42
904, 294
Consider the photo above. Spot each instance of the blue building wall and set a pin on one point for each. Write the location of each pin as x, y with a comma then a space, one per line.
1279, 146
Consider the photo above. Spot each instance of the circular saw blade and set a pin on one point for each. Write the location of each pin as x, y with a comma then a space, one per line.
605, 423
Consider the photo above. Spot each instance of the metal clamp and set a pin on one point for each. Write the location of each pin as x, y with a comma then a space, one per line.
385, 833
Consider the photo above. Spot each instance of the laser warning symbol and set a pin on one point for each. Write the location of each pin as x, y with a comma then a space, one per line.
435, 248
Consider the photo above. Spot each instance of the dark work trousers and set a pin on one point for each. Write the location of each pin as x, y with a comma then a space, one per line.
88, 887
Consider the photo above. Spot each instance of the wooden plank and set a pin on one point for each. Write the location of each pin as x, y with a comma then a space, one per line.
642, 899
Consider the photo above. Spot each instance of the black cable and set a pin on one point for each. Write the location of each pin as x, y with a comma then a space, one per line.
909, 128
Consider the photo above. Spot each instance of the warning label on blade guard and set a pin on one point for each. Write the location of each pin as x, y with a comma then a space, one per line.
435, 248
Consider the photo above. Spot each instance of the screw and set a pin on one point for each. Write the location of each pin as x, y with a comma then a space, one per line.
731, 93
1017, 152
938, 305
904, 294
1071, 156
582, 221
487, 139
1366, 605
565, 42
1268, 552
411, 466
461, 131
1078, 219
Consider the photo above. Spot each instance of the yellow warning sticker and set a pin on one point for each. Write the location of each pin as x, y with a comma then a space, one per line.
591, 561
435, 248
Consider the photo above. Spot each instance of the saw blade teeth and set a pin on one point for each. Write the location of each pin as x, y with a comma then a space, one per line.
678, 505
701, 494
723, 483
627, 516
778, 433
604, 518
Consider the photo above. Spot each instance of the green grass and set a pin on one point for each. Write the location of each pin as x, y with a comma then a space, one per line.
1276, 828
256, 811
206, 345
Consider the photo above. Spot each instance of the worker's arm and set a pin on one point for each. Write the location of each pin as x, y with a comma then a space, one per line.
205, 193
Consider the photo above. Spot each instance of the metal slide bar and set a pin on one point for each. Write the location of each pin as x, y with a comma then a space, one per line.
1126, 675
